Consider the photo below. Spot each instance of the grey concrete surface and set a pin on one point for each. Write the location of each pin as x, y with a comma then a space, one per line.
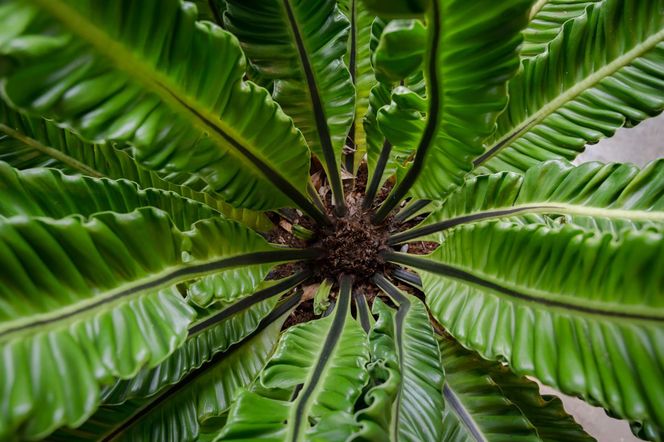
638, 145
594, 419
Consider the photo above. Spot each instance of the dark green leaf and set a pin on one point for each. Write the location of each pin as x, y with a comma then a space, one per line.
404, 342
180, 413
49, 193
35, 142
471, 53
400, 52
211, 10
212, 332
396, 8
486, 401
391, 114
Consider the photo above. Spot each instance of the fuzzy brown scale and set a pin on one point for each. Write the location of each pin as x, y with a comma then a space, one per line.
352, 247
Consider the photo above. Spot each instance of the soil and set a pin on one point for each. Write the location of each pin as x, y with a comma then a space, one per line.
361, 179
353, 247
421, 247
282, 236
304, 312
353, 244
369, 290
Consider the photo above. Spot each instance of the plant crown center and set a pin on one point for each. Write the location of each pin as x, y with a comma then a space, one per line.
352, 246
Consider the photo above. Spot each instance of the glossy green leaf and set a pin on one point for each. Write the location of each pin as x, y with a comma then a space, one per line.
376, 142
212, 332
358, 60
300, 45
35, 142
610, 197
390, 123
404, 343
604, 70
49, 193
375, 419
471, 52
486, 401
547, 18
647, 431
131, 309
225, 287
378, 150
402, 120
103, 71
27, 142
327, 356
400, 51
19, 155
377, 28
580, 310
180, 413
97, 299
322, 297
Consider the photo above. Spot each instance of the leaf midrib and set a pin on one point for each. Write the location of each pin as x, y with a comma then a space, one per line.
50, 151
247, 302
537, 7
126, 61
166, 278
303, 402
169, 391
570, 94
464, 417
547, 300
399, 320
320, 119
525, 209
404, 305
